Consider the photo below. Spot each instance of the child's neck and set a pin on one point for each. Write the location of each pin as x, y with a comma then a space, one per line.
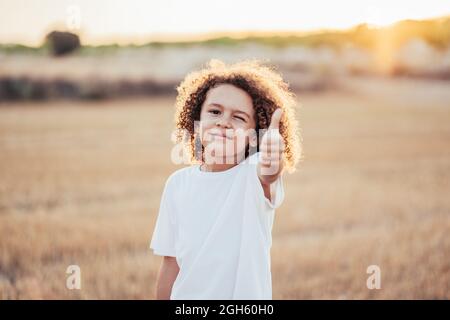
216, 167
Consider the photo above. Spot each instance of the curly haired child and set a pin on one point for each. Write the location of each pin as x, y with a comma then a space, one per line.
214, 227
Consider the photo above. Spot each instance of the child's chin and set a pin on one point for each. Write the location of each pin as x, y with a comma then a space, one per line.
219, 149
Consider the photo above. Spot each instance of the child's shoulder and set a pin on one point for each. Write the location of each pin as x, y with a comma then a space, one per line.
179, 175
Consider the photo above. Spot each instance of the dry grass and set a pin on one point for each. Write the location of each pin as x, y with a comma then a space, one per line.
80, 183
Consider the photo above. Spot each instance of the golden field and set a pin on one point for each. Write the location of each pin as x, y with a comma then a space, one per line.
80, 183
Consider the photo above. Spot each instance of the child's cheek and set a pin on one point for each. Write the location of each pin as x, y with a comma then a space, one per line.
204, 127
240, 142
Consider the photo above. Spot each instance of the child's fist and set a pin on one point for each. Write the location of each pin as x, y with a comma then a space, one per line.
272, 146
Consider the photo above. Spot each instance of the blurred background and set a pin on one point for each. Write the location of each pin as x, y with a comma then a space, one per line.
87, 93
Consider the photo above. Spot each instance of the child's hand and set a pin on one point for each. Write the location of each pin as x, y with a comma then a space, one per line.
271, 150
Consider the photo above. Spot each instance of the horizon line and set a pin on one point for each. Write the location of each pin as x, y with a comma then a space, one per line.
177, 37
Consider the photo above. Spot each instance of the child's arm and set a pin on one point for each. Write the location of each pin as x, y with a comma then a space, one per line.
167, 275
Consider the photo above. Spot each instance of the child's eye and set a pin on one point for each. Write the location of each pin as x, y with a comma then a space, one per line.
240, 118
214, 111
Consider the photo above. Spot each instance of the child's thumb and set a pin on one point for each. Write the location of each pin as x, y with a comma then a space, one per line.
276, 118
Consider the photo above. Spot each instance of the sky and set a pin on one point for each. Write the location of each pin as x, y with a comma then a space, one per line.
138, 21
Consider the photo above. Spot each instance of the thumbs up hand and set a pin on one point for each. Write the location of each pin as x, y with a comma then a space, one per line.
271, 150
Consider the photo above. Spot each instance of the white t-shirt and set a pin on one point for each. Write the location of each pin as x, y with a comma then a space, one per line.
218, 225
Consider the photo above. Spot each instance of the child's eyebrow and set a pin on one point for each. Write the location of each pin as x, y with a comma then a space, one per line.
236, 110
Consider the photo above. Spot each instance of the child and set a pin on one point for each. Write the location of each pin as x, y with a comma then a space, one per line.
216, 215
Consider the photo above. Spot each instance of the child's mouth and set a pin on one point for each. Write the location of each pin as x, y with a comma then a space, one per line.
220, 136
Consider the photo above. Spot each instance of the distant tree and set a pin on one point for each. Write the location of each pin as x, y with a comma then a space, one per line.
61, 43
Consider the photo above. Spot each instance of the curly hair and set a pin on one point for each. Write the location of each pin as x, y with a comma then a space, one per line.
263, 84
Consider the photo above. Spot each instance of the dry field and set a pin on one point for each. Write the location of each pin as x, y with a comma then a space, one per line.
80, 183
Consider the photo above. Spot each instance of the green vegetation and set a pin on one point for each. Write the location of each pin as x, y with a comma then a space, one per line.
436, 32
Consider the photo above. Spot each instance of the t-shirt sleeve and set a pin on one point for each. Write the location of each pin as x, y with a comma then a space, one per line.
163, 238
276, 188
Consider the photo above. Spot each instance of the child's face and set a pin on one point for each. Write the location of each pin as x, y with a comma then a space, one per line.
226, 119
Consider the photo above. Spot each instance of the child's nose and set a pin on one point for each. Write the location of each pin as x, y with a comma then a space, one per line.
223, 122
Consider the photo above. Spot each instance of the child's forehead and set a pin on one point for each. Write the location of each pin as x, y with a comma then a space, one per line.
229, 97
